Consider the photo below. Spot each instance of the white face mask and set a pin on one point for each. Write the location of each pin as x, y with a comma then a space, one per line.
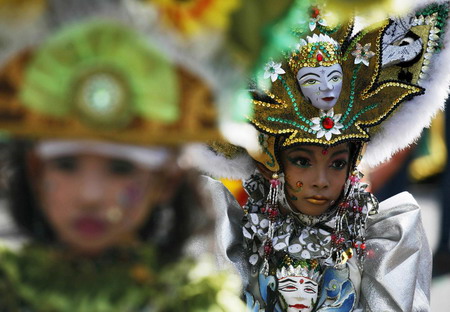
321, 85
299, 293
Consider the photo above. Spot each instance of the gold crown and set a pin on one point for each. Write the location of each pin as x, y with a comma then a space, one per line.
318, 50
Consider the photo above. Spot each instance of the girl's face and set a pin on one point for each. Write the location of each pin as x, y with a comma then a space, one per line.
315, 176
96, 202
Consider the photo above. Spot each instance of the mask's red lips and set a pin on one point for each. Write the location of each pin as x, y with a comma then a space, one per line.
328, 98
298, 306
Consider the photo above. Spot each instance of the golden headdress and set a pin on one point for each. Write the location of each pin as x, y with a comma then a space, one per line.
382, 68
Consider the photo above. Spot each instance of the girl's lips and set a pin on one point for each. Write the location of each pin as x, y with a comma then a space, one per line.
317, 200
90, 226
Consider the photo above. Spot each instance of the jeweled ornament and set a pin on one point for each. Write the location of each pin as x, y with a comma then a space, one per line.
328, 123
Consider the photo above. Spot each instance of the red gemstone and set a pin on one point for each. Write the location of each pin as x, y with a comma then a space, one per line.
319, 57
328, 123
315, 12
363, 246
324, 151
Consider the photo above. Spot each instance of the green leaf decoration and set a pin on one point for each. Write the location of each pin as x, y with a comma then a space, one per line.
104, 73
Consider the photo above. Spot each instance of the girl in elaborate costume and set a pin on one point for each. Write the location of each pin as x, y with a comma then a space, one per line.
313, 238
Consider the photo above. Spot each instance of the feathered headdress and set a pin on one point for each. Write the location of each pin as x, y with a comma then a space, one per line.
379, 86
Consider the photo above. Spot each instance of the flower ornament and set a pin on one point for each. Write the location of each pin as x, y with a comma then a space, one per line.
327, 124
272, 70
315, 19
362, 54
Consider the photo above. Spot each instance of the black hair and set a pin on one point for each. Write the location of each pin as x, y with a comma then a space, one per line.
169, 226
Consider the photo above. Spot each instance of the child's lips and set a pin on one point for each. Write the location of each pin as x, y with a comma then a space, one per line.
317, 200
90, 226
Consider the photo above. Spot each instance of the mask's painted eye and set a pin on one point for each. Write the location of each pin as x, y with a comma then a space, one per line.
336, 78
288, 288
309, 82
309, 290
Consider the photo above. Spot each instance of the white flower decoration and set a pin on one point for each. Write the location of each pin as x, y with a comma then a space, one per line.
272, 70
327, 124
363, 54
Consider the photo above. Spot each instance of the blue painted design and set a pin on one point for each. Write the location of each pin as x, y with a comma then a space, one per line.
269, 294
337, 291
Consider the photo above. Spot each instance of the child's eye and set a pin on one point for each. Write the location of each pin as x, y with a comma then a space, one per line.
300, 162
66, 163
121, 167
339, 164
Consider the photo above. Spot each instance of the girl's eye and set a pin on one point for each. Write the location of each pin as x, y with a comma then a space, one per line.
339, 164
67, 164
121, 167
310, 82
301, 162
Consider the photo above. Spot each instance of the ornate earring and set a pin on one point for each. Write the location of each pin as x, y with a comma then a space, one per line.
272, 211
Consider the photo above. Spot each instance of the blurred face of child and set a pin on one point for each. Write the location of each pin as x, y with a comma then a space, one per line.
315, 176
96, 202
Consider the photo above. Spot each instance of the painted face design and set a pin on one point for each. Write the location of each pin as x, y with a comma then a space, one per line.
299, 293
321, 85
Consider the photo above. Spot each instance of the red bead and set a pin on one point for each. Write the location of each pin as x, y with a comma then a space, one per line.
355, 245
315, 12
267, 249
328, 123
299, 184
275, 182
319, 57
324, 151
363, 246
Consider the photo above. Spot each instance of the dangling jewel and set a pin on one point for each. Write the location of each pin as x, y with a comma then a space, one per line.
349, 232
272, 211
325, 151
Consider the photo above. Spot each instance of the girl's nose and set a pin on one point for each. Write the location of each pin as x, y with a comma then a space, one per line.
91, 189
321, 179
